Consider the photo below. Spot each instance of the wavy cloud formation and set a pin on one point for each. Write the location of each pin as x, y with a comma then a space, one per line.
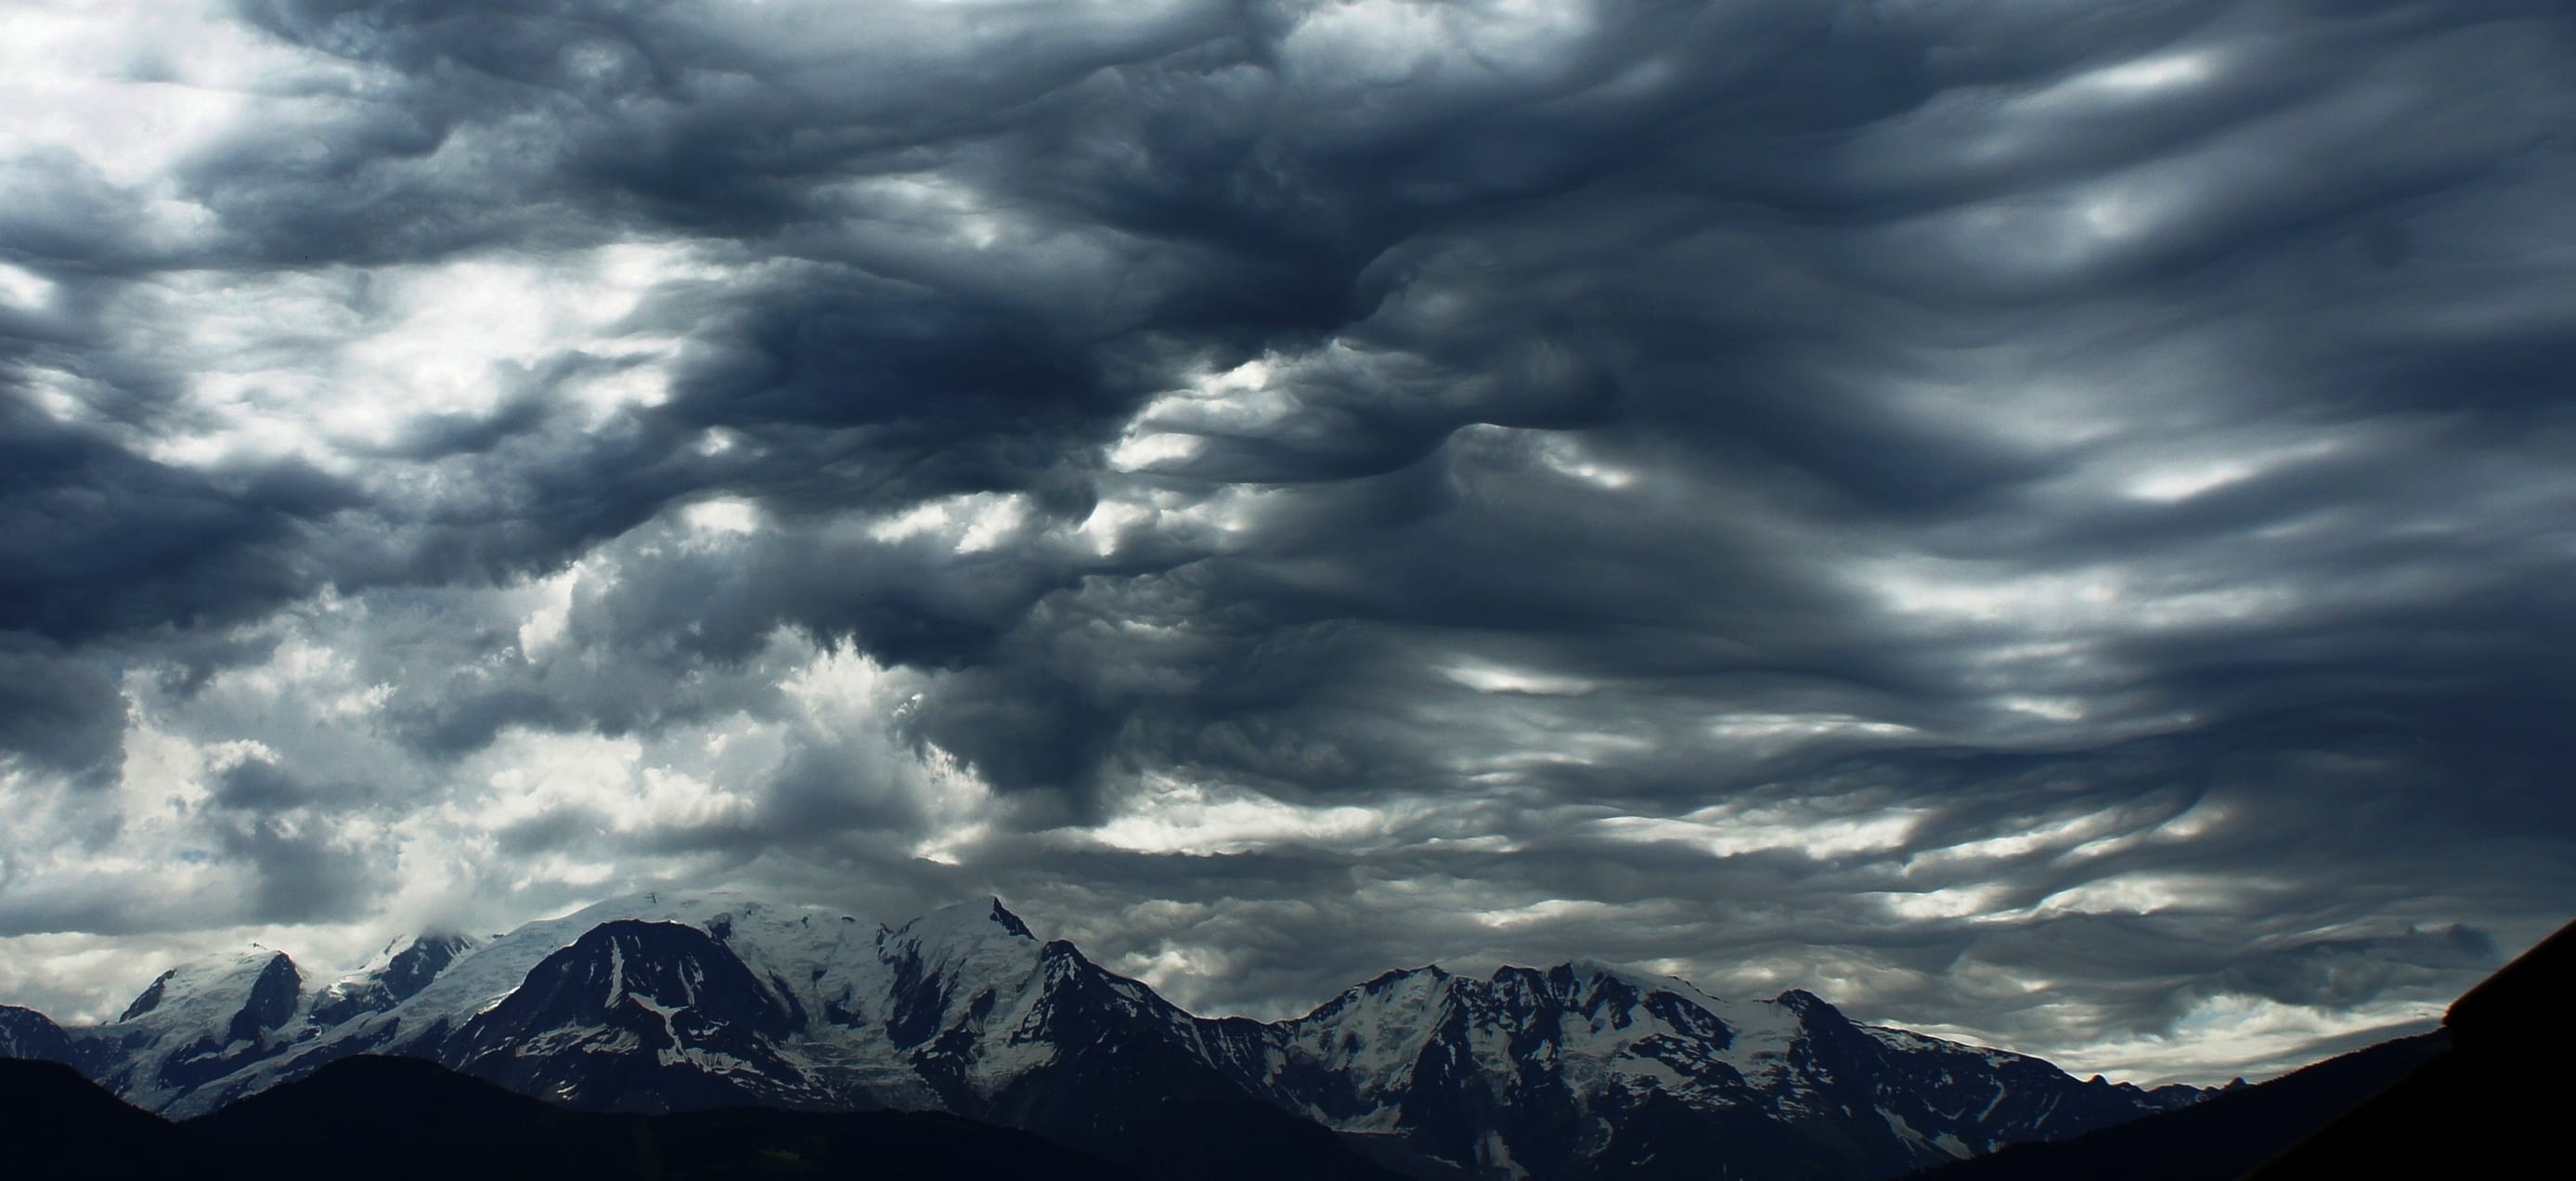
2046, 524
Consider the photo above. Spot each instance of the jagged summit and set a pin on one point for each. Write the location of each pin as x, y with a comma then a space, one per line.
150, 998
967, 920
684, 1022
395, 975
218, 977
1003, 918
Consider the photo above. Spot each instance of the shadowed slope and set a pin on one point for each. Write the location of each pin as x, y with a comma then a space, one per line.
56, 1123
2218, 1139
2477, 1098
2489, 1106
404, 1117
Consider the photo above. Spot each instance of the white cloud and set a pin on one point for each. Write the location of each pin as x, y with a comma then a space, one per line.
1736, 829
131, 87
1164, 815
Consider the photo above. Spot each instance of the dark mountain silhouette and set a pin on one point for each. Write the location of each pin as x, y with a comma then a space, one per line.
2481, 1097
56, 1123
402, 1118
406, 1117
2492, 1104
2222, 1138
26, 1033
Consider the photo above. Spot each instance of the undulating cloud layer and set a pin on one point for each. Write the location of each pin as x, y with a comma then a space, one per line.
2046, 522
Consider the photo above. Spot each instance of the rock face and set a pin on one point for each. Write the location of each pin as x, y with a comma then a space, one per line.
637, 1016
407, 968
651, 1005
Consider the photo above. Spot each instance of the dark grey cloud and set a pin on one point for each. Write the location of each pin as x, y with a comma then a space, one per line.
2042, 522
303, 876
101, 541
2347, 970
59, 711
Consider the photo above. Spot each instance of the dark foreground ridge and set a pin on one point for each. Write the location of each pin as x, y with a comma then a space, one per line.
2491, 1105
407, 1118
2474, 1099
2224, 1137
54, 1122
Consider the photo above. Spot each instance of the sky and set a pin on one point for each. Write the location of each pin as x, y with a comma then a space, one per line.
2048, 522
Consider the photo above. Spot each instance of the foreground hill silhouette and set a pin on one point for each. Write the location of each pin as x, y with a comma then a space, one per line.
2222, 1137
405, 1118
2473, 1099
56, 1123
2493, 1104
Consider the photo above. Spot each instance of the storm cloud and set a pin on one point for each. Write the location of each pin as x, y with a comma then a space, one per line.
2047, 524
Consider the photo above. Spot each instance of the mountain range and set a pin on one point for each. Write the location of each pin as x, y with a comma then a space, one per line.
658, 1004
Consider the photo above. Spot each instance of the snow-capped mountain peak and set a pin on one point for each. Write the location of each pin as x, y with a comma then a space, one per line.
225, 980
201, 1021
395, 975
638, 1015
964, 930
